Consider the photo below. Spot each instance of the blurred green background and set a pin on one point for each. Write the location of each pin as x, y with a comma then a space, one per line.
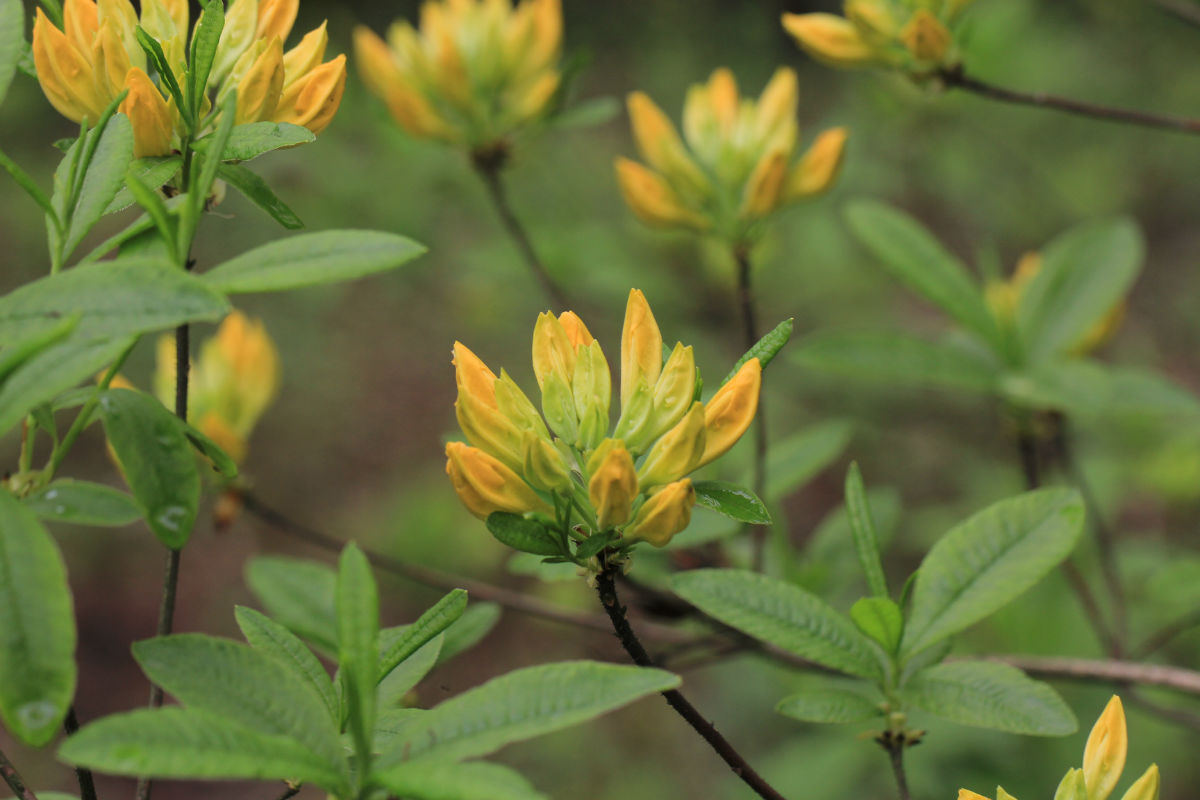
353, 445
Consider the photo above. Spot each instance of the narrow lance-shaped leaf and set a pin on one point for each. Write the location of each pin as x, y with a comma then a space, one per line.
881, 619
984, 563
154, 53
862, 527
733, 501
152, 171
37, 627
203, 51
12, 41
256, 138
268, 636
829, 704
358, 644
794, 461
526, 535
520, 705
471, 781
299, 594
783, 615
103, 179
156, 460
256, 190
898, 358
913, 256
990, 695
407, 640
476, 622
16, 354
83, 503
311, 259
766, 348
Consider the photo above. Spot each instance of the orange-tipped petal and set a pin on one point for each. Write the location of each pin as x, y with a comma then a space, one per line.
259, 89
818, 168
1104, 754
831, 39
484, 485
730, 411
313, 100
653, 200
306, 56
667, 512
148, 114
613, 487
641, 346
276, 18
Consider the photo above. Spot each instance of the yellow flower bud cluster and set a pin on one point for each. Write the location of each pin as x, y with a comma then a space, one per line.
734, 163
231, 384
475, 71
1103, 763
86, 65
634, 480
911, 35
1004, 299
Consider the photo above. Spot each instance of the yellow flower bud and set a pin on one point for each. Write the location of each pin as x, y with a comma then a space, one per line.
874, 20
635, 418
543, 465
723, 98
478, 413
591, 386
1104, 754
674, 392
558, 406
1072, 786
258, 91
641, 346
64, 73
124, 21
276, 18
652, 198
1145, 787
967, 794
225, 437
677, 452
777, 104
110, 61
312, 100
379, 71
239, 33
553, 352
613, 486
532, 101
577, 332
818, 167
730, 411
659, 143
830, 38
167, 21
515, 406
764, 190
665, 513
306, 56
926, 38
148, 115
484, 485
1003, 795
547, 33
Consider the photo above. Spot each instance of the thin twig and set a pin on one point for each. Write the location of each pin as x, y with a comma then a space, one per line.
1181, 9
894, 744
426, 576
87, 784
1098, 670
290, 792
741, 255
1162, 637
14, 780
956, 78
1178, 716
607, 589
489, 165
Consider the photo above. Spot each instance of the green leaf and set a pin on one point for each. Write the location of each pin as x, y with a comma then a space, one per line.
765, 349
400, 681
526, 535
255, 138
83, 503
156, 460
52, 371
153, 172
397, 644
189, 743
203, 51
157, 59
244, 685
473, 781
829, 704
593, 545
984, 563
130, 238
879, 618
37, 627
12, 41
312, 259
731, 500
221, 460
914, 257
358, 643
783, 615
104, 177
898, 358
862, 528
587, 113
1085, 273
990, 695
256, 190
14, 355
150, 200
31, 188
794, 461
125, 297
299, 594
270, 638
520, 705
1092, 389
476, 622
201, 186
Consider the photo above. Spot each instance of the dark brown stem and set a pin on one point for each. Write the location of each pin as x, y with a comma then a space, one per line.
14, 780
87, 785
289, 792
894, 744
956, 78
490, 166
607, 589
741, 255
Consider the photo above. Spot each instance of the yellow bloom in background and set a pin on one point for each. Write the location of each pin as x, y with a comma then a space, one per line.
472, 74
734, 163
86, 65
633, 480
1103, 763
1004, 299
232, 383
912, 35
